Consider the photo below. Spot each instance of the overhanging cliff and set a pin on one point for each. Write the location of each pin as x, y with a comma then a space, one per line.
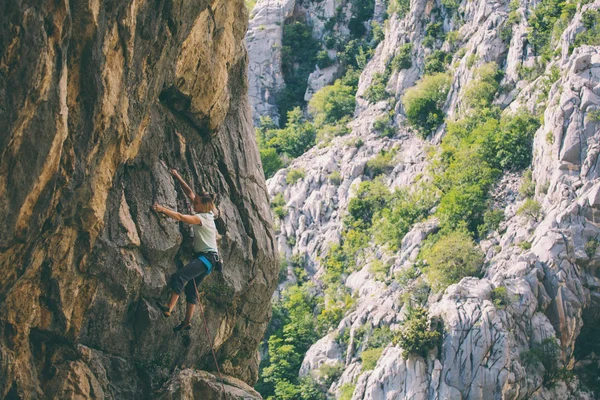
98, 98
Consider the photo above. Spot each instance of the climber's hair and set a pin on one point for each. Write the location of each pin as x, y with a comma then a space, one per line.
204, 202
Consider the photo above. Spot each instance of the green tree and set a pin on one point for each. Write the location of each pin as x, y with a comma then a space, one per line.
450, 258
416, 335
424, 102
332, 103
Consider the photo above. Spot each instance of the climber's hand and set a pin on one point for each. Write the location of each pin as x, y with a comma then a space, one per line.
158, 208
174, 172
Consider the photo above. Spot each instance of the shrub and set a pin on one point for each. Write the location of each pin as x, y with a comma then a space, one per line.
525, 245
437, 62
500, 297
377, 32
381, 163
590, 247
379, 269
452, 257
323, 60
527, 188
294, 176
424, 102
400, 7
594, 115
271, 161
451, 4
511, 146
335, 178
294, 140
346, 391
379, 338
384, 126
371, 196
434, 31
481, 91
408, 274
401, 212
369, 358
416, 335
531, 209
361, 11
491, 221
332, 103
591, 34
278, 206
548, 355
329, 373
377, 91
298, 58
403, 59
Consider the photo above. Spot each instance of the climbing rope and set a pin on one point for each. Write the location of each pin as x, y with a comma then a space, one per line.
209, 338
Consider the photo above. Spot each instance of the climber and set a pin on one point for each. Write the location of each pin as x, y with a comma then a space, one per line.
206, 255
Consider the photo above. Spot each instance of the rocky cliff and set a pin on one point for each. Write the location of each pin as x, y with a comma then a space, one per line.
98, 98
547, 265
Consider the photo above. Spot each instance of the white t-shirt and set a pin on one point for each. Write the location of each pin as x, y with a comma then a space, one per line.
205, 235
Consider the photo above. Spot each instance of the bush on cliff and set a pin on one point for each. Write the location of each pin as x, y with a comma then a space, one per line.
424, 103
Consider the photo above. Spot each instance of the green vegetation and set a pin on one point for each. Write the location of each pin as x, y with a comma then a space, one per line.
547, 355
401, 211
328, 373
294, 176
530, 209
370, 357
423, 103
399, 7
525, 245
346, 391
591, 34
491, 221
527, 188
298, 58
480, 92
591, 246
416, 335
290, 142
500, 297
384, 125
278, 206
437, 62
377, 91
293, 330
332, 103
361, 11
449, 258
474, 151
433, 32
335, 178
403, 58
594, 115
381, 163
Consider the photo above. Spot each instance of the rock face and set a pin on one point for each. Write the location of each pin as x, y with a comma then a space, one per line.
554, 286
98, 98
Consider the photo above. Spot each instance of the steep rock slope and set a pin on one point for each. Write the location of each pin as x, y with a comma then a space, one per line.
98, 98
547, 265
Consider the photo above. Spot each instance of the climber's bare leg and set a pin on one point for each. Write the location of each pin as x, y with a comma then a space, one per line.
173, 301
189, 312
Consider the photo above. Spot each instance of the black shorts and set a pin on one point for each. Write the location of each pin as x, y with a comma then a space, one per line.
189, 279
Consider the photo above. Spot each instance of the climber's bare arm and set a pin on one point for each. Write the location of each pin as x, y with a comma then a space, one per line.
216, 212
188, 219
186, 188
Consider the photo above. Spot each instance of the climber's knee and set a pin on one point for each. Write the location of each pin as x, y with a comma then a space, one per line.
177, 283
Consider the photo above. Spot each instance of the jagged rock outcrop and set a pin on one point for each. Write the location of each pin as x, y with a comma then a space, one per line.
554, 286
98, 98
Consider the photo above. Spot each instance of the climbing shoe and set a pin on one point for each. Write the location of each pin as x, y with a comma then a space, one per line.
165, 310
184, 326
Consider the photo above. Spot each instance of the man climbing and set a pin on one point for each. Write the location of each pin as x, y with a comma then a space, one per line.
206, 255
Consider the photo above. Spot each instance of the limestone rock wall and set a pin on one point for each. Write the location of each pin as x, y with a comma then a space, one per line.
97, 100
554, 286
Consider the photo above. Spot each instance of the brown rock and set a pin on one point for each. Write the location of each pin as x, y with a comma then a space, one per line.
97, 99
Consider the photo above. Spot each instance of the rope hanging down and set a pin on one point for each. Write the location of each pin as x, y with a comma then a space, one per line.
210, 339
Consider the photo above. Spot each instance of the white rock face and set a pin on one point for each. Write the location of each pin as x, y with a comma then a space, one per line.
549, 286
263, 40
